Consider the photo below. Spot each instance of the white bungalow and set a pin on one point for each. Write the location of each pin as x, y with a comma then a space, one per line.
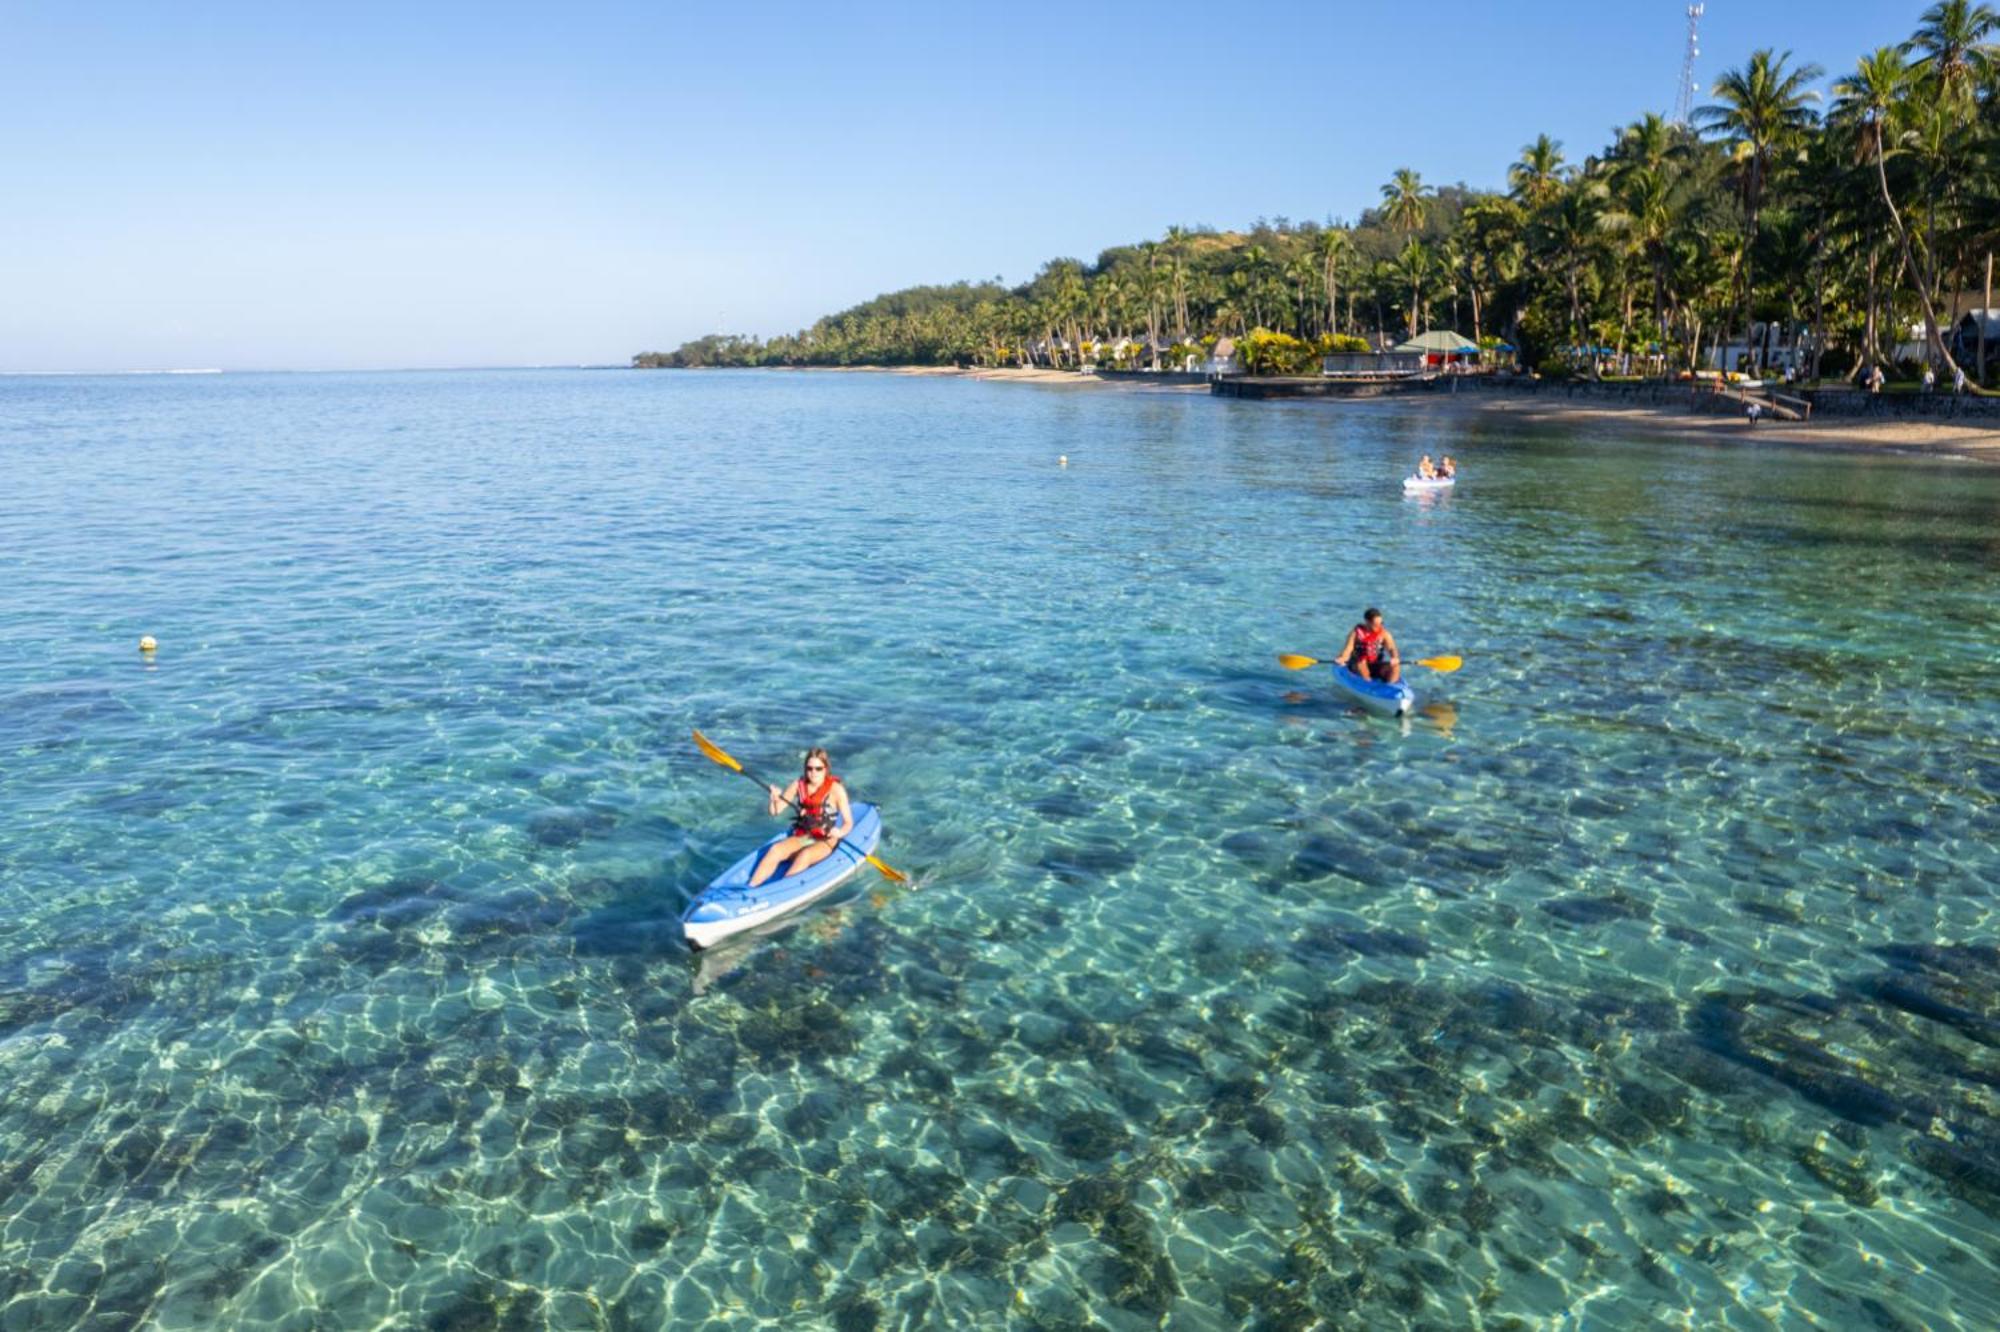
1222, 359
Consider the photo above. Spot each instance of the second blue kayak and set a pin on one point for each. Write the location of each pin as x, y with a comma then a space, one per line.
1391, 700
729, 905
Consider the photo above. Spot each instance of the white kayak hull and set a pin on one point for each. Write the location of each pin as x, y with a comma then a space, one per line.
729, 906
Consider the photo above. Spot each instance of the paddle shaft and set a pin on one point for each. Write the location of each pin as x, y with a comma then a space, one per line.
1293, 661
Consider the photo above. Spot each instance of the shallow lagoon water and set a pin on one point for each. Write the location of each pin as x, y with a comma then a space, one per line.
1645, 978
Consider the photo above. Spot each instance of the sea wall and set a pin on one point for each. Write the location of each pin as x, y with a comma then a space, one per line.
1313, 386
1152, 376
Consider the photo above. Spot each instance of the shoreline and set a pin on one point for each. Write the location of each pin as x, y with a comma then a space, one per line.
1902, 438
1922, 439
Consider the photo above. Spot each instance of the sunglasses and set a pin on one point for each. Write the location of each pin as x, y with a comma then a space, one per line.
815, 767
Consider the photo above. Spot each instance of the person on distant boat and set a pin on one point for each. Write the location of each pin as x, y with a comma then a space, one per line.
1447, 469
1370, 650
824, 817
1426, 469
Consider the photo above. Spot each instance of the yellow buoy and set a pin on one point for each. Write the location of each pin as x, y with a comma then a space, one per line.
146, 644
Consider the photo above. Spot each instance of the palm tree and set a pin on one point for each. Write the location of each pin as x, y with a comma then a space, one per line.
1759, 108
1412, 267
1873, 97
1333, 245
1956, 55
1491, 226
1537, 177
1642, 212
1570, 230
1151, 289
1406, 201
1177, 247
1303, 273
1647, 144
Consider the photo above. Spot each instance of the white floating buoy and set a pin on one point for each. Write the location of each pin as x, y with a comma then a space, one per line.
1062, 460
146, 643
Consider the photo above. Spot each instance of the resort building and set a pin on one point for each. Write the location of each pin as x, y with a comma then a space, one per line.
1965, 336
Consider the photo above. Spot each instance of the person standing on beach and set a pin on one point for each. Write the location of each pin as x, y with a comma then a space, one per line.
1930, 380
1958, 379
1370, 650
1875, 379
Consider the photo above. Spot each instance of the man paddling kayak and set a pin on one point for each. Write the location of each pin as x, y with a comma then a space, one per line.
1370, 650
824, 818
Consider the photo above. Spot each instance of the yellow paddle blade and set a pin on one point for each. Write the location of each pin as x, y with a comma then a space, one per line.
714, 751
1292, 661
1445, 664
892, 875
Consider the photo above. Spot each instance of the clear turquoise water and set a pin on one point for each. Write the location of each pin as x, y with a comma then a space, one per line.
1646, 978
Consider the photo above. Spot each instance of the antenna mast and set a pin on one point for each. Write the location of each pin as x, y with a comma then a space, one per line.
1684, 97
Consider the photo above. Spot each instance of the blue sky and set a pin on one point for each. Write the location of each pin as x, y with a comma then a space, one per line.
359, 185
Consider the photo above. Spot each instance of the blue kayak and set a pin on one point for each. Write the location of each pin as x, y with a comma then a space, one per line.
730, 906
1391, 700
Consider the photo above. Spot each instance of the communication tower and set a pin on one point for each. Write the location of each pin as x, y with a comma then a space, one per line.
1684, 98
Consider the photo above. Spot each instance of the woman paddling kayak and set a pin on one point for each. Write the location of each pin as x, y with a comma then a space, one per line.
824, 818
1370, 650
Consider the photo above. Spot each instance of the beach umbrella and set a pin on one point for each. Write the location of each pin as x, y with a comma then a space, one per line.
1440, 342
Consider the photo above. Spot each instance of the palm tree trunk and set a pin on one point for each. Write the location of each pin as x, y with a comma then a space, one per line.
1625, 320
1755, 202
1819, 302
1910, 265
1868, 351
1660, 305
1985, 313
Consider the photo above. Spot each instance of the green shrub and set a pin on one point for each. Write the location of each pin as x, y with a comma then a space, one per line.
1266, 353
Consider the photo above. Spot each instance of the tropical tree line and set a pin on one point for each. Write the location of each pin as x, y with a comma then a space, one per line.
1831, 215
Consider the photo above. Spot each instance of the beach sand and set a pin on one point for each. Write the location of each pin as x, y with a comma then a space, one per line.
1981, 443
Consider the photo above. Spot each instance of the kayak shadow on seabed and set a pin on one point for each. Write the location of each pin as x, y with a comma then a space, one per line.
1303, 707
817, 922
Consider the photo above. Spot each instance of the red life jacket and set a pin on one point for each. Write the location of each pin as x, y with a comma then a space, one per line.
1368, 643
815, 819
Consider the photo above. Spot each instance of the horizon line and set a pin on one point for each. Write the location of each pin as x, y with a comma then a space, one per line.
316, 369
